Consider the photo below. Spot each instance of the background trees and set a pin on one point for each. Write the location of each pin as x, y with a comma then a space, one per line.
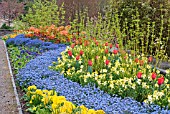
10, 9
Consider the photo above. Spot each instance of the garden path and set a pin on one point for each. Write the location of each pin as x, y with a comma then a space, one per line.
8, 102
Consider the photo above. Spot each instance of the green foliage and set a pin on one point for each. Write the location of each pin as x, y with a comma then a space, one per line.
139, 26
4, 26
42, 13
18, 58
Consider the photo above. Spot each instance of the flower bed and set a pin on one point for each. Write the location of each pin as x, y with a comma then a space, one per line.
115, 72
37, 72
44, 101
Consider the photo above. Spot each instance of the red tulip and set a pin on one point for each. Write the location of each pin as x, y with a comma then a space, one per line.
117, 45
139, 75
72, 45
97, 43
136, 60
111, 45
90, 63
141, 62
107, 62
106, 44
81, 52
150, 59
106, 51
160, 81
77, 57
115, 51
69, 53
154, 75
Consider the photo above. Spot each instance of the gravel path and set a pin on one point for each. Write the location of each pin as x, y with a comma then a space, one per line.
8, 104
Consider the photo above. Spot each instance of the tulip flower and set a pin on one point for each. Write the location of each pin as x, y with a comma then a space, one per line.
90, 63
136, 60
72, 45
154, 75
81, 52
115, 51
150, 59
141, 62
77, 57
69, 53
139, 75
106, 51
117, 45
107, 62
160, 81
111, 46
106, 44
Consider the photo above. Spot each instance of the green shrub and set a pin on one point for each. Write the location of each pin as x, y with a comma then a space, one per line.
42, 13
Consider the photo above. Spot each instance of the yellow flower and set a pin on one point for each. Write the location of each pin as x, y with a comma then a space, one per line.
33, 97
91, 111
32, 87
73, 68
45, 99
45, 91
169, 99
67, 107
54, 106
58, 99
83, 109
52, 92
39, 92
34, 108
13, 35
100, 112
30, 101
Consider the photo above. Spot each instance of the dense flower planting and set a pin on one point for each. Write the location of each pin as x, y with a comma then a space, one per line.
37, 72
44, 101
115, 72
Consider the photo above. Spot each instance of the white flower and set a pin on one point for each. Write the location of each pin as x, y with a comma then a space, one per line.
168, 71
150, 98
80, 61
139, 82
68, 65
111, 86
133, 86
104, 70
104, 83
81, 66
148, 67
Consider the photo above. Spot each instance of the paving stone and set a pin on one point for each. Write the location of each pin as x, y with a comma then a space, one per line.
8, 104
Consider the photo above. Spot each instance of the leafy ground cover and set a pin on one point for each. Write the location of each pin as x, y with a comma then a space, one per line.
37, 72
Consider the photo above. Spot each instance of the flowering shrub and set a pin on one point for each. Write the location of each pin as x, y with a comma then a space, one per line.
44, 101
115, 72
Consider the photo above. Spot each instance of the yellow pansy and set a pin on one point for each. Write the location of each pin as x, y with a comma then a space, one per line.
39, 92
91, 111
100, 112
31, 87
